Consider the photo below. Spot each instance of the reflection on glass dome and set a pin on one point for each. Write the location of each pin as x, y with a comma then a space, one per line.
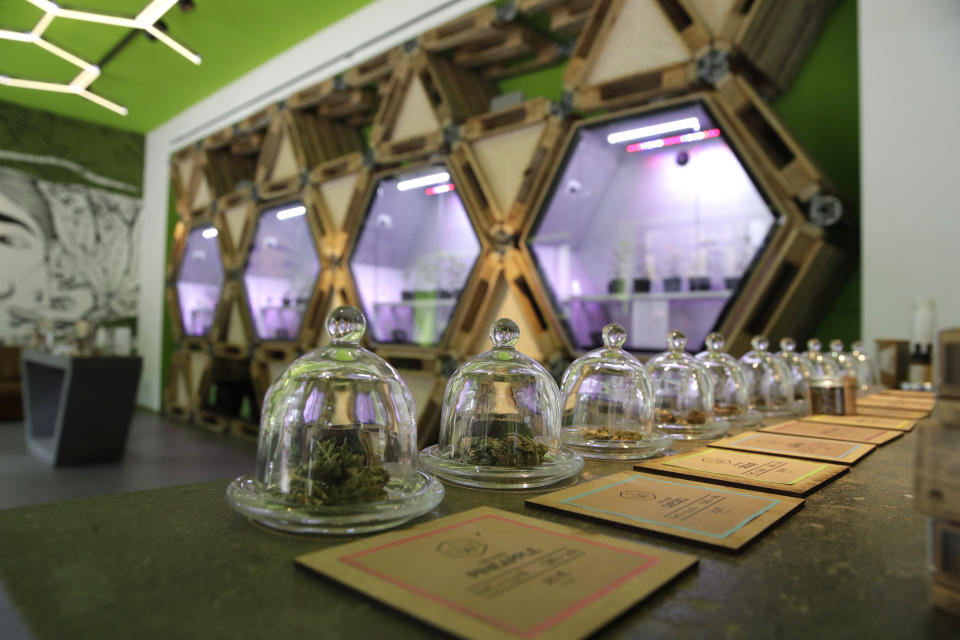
413, 256
843, 360
282, 271
337, 443
821, 366
675, 222
771, 383
867, 372
731, 391
683, 393
607, 403
500, 424
800, 372
199, 281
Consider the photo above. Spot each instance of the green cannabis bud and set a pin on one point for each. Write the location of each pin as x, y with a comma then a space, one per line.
337, 476
510, 450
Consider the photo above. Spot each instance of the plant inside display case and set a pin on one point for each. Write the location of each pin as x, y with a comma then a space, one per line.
671, 204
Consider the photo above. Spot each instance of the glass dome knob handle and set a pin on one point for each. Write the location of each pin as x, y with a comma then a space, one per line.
614, 336
857, 347
760, 343
715, 341
836, 345
345, 324
676, 341
504, 333
813, 344
788, 344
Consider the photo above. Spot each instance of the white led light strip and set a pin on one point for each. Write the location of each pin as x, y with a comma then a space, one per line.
145, 20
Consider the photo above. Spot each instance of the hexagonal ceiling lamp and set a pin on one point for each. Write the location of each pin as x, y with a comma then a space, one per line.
415, 251
282, 274
692, 225
145, 20
199, 281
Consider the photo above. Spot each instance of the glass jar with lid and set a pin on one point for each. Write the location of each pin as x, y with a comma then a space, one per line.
867, 373
731, 392
844, 360
800, 372
821, 365
337, 445
500, 423
683, 394
607, 404
771, 384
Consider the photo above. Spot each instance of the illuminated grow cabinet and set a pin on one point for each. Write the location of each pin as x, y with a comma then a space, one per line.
282, 271
199, 281
414, 253
652, 221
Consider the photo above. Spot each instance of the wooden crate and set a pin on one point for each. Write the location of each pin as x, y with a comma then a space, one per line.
235, 216
511, 42
193, 194
633, 50
269, 360
375, 70
296, 141
505, 157
477, 26
426, 94
232, 332
340, 186
333, 98
226, 170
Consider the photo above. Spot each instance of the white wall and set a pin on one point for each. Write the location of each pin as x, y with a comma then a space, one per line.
910, 172
365, 33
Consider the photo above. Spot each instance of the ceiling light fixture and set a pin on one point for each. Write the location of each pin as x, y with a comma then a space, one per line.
423, 181
145, 21
654, 130
209, 233
669, 142
440, 188
292, 212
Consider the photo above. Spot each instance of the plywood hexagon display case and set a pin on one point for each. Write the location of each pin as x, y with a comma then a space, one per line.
195, 279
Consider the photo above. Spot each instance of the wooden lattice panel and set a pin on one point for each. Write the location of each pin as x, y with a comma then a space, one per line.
232, 332
340, 186
193, 194
235, 217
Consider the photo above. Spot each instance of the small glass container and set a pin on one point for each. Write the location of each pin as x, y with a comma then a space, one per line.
337, 446
731, 392
771, 384
821, 365
800, 372
500, 424
683, 394
607, 404
844, 360
867, 373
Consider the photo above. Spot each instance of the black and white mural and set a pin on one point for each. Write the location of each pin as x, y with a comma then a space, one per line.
68, 251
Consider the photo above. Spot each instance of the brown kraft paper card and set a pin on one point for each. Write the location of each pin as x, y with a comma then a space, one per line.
487, 573
834, 432
877, 422
769, 473
884, 412
719, 516
895, 402
797, 446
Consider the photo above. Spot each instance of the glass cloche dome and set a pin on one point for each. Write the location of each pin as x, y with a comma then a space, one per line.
607, 404
683, 393
731, 393
867, 374
337, 447
500, 424
771, 384
800, 372
821, 365
844, 360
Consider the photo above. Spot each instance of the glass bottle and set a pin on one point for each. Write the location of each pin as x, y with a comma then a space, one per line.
337, 445
731, 392
683, 393
500, 423
771, 384
607, 403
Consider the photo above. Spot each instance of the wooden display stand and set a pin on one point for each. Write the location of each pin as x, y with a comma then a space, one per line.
633, 50
426, 93
232, 332
504, 157
296, 141
340, 186
235, 216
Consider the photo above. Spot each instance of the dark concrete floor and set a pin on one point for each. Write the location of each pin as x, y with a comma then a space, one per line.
160, 453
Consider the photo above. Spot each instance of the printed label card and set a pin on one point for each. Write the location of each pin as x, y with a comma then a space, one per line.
885, 412
896, 402
487, 573
834, 432
739, 468
878, 422
720, 516
797, 446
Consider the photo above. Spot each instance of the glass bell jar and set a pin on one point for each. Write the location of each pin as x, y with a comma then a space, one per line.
821, 364
500, 424
607, 404
867, 374
337, 447
731, 393
683, 393
800, 372
844, 360
771, 384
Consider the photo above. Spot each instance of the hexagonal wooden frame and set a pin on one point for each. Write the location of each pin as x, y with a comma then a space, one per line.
188, 380
180, 234
341, 185
796, 267
235, 216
